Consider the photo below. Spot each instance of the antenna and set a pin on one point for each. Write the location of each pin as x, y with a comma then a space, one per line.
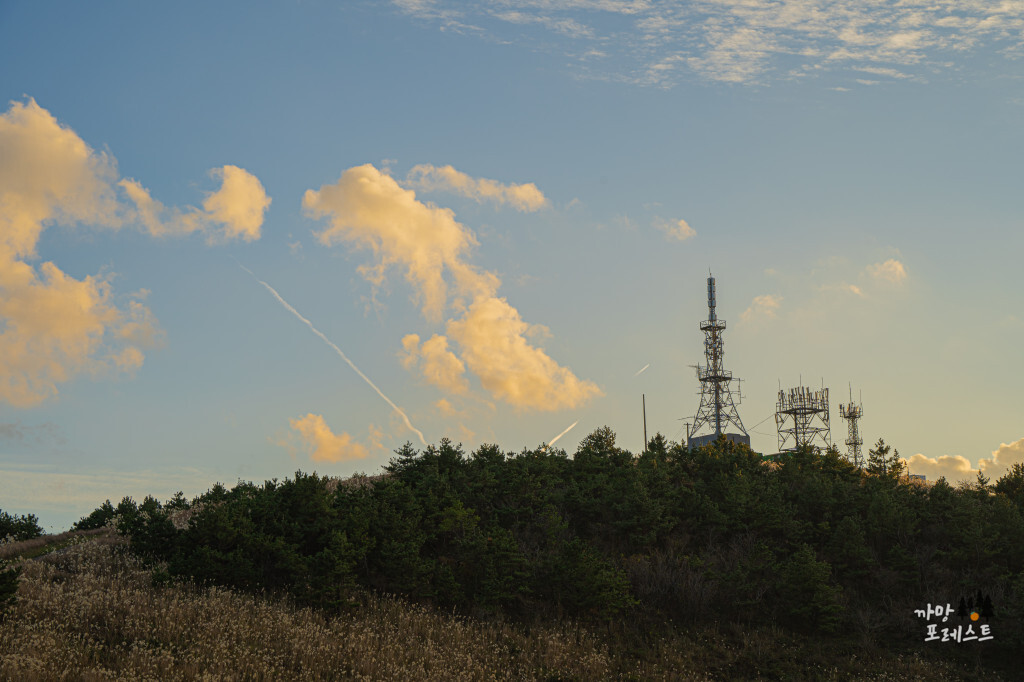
717, 403
643, 398
802, 419
852, 413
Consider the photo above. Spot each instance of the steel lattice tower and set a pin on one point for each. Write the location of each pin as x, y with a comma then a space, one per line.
717, 408
851, 413
802, 419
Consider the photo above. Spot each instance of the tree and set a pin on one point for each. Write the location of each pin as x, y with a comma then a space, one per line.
983, 481
809, 599
97, 518
848, 550
19, 527
881, 463
1011, 484
177, 502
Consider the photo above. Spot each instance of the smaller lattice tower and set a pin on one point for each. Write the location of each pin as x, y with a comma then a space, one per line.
802, 419
717, 411
852, 413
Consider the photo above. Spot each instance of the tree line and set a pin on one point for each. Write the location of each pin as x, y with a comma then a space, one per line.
807, 542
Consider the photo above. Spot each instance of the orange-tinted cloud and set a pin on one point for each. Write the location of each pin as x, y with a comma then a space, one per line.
438, 365
238, 205
762, 307
957, 468
48, 175
368, 209
891, 271
679, 230
446, 408
55, 326
321, 444
235, 211
525, 197
492, 337
1003, 458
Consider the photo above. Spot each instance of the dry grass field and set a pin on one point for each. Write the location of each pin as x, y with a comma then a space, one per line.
89, 611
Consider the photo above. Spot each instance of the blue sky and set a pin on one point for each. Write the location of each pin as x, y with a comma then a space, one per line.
499, 212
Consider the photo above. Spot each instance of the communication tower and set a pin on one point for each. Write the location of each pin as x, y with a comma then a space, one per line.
802, 419
717, 409
851, 413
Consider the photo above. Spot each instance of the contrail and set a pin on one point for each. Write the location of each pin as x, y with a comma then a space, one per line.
337, 350
642, 369
561, 434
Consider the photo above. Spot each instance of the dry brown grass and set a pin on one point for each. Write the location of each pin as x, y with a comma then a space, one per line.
21, 548
91, 613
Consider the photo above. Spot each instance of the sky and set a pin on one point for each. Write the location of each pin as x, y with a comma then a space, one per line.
243, 239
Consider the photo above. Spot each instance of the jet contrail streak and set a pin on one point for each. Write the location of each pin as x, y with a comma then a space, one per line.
337, 350
642, 369
561, 434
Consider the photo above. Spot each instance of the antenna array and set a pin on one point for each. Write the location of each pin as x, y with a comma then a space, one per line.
851, 413
801, 416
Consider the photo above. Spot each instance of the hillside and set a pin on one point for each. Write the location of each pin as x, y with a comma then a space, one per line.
674, 564
91, 611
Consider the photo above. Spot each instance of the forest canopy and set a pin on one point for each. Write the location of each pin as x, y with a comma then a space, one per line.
807, 541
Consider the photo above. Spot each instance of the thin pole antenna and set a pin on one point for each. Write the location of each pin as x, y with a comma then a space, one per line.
644, 399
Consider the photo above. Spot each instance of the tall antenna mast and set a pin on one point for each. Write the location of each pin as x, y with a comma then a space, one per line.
717, 407
851, 413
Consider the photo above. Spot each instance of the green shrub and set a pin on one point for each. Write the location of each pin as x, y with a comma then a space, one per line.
19, 527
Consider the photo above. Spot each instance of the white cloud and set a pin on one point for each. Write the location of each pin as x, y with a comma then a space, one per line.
742, 41
882, 71
568, 27
762, 307
679, 230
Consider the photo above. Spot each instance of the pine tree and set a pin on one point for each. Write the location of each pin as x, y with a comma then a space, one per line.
1011, 483
881, 463
878, 458
983, 481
